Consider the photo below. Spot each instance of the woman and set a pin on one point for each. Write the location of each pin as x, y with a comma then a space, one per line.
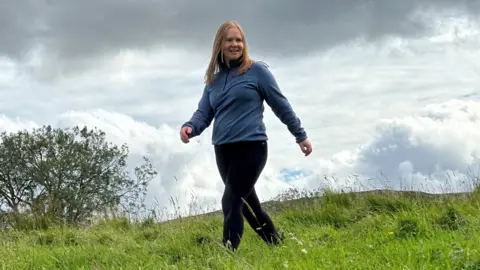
235, 88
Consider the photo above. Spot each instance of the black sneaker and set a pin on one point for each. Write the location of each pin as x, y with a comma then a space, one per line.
276, 238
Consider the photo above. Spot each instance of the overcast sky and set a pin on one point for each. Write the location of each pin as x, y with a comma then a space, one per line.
375, 83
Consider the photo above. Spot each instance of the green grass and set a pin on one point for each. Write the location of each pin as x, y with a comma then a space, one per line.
370, 230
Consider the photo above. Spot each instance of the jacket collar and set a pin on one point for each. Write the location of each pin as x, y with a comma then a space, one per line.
233, 64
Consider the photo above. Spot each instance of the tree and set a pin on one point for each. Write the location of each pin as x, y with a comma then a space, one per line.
68, 174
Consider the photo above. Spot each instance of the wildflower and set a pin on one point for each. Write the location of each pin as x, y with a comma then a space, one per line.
390, 233
298, 240
304, 250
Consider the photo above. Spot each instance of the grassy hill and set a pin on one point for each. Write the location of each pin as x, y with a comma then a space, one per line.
368, 230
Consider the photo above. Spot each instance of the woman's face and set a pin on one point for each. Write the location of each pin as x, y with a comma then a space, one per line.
233, 45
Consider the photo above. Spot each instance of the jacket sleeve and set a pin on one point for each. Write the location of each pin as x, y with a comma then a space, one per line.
202, 117
279, 103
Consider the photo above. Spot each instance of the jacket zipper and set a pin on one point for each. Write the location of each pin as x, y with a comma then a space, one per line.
226, 79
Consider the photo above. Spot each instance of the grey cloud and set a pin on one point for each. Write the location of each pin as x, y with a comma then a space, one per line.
19, 23
80, 31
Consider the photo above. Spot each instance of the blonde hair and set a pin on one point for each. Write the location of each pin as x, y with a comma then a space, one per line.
217, 53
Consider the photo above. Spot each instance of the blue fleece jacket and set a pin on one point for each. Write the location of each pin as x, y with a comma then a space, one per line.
236, 103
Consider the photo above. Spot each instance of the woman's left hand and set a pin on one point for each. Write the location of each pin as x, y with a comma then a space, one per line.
306, 147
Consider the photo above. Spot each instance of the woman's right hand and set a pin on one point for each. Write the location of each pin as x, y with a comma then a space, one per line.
185, 134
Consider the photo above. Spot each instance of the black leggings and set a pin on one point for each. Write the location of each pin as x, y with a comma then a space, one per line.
240, 165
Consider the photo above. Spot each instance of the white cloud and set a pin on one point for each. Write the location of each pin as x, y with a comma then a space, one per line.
426, 146
405, 107
10, 125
